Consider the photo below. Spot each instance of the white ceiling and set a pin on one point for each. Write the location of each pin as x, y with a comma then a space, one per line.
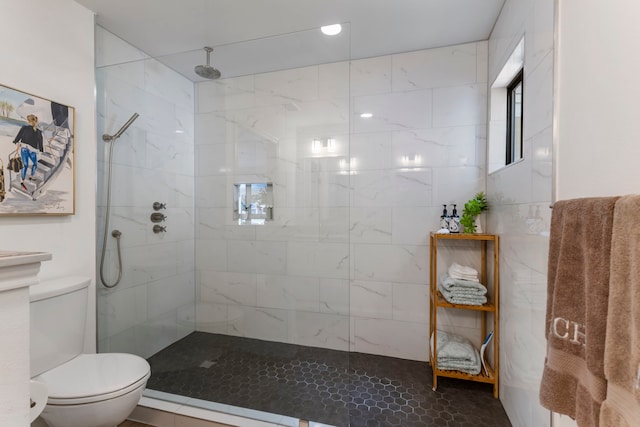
241, 31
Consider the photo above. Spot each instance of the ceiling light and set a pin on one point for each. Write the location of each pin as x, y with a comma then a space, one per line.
331, 30
366, 115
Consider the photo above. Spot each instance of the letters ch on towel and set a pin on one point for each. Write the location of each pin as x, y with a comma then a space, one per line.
569, 331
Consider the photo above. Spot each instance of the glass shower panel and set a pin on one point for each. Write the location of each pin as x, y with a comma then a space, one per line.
278, 289
255, 311
154, 304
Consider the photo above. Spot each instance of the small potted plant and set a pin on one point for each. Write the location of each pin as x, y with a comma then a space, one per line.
472, 209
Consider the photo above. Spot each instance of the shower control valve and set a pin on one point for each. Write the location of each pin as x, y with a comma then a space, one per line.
158, 217
157, 206
159, 229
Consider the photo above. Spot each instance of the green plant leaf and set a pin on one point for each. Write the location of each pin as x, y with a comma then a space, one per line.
472, 209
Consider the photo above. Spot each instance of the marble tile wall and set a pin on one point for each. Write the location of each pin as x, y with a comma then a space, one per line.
154, 304
519, 196
344, 263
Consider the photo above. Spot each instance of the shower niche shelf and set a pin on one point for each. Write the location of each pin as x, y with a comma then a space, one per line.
488, 312
253, 203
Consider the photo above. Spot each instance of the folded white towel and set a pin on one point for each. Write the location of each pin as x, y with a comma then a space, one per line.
463, 269
461, 272
456, 353
462, 297
468, 367
464, 292
461, 285
463, 276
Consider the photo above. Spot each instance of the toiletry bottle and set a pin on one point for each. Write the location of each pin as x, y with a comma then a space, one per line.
454, 221
444, 218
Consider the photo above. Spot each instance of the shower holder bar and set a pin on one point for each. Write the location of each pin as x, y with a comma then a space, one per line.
108, 138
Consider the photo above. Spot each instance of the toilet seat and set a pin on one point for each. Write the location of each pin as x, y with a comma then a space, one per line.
90, 378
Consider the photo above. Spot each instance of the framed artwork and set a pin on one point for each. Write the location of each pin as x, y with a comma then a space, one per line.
37, 139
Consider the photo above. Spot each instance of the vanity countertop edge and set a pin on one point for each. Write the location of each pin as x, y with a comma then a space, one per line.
20, 269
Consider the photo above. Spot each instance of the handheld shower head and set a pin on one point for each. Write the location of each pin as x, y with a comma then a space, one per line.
207, 71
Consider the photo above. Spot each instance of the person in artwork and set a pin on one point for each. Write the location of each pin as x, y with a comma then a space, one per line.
29, 142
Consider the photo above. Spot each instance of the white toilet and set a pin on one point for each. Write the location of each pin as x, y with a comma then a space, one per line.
85, 390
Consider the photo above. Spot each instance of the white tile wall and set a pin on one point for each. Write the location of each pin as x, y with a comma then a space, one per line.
435, 68
288, 292
344, 264
459, 105
371, 76
319, 330
334, 296
519, 196
371, 299
223, 287
393, 111
391, 338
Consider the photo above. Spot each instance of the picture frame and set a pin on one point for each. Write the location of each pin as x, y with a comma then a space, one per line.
37, 155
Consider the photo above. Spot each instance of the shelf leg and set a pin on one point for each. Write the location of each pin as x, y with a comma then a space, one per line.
435, 378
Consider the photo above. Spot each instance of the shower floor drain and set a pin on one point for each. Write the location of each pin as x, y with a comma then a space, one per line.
207, 364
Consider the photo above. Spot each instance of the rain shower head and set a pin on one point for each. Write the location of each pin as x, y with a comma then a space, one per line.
207, 71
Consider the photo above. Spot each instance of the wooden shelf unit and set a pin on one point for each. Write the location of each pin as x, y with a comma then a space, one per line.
490, 307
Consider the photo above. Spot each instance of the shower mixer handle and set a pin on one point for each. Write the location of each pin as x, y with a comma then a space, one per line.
157, 206
158, 217
159, 229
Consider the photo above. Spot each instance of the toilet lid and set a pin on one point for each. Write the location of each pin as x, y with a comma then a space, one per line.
92, 377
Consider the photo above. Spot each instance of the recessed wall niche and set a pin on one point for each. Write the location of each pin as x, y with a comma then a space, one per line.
253, 203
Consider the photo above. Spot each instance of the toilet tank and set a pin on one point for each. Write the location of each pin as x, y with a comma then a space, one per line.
58, 313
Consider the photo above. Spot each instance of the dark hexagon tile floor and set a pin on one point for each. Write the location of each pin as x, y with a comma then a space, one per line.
326, 386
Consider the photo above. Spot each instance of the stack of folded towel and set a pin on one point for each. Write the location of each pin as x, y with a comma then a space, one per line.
456, 353
457, 271
460, 285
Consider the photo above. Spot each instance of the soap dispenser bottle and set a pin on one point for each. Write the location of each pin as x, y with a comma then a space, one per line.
454, 221
444, 218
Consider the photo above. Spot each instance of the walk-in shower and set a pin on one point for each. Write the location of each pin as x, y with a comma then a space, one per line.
323, 308
115, 233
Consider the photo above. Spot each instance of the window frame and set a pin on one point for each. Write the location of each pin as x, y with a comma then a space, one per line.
510, 151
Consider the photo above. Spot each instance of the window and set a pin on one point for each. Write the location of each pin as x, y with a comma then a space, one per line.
514, 120
506, 113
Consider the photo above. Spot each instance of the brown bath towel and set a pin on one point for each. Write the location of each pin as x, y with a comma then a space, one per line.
578, 287
622, 347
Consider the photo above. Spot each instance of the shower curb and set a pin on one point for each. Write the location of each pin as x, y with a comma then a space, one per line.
161, 413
